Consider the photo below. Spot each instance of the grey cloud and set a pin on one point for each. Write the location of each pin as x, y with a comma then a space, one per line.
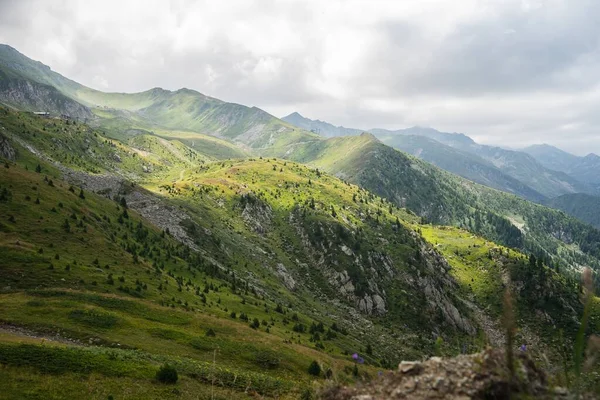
502, 73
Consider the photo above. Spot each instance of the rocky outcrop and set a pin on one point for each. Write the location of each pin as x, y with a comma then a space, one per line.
478, 376
34, 96
6, 150
256, 213
147, 204
286, 278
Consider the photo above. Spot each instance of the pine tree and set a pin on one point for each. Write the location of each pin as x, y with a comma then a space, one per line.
314, 368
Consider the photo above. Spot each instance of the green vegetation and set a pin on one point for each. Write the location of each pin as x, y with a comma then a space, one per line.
167, 374
218, 244
584, 207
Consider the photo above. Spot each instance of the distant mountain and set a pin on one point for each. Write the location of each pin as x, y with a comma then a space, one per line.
320, 127
154, 109
462, 163
507, 170
582, 206
552, 157
517, 164
586, 169
457, 140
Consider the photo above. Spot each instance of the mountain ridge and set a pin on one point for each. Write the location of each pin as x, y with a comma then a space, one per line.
520, 166
264, 261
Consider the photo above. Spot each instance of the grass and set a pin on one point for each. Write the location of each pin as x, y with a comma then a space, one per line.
114, 284
78, 290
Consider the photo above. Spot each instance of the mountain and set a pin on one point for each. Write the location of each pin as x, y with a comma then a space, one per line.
462, 163
552, 157
19, 92
457, 140
362, 160
507, 170
583, 206
319, 127
131, 254
157, 109
586, 169
518, 165
305, 266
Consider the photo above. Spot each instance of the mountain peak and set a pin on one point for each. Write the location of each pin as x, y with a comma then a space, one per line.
295, 116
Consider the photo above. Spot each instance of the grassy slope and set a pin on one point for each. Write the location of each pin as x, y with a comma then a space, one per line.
98, 245
170, 325
68, 282
444, 198
542, 297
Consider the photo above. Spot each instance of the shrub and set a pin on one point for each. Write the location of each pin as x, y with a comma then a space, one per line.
167, 374
210, 332
93, 318
267, 359
314, 368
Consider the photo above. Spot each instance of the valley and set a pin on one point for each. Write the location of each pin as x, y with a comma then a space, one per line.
258, 258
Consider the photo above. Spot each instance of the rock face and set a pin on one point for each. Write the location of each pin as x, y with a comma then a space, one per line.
34, 96
256, 213
6, 150
286, 278
478, 376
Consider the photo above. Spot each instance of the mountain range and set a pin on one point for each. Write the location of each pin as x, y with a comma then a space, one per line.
538, 173
169, 238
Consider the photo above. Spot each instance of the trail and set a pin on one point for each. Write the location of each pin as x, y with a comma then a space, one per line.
26, 333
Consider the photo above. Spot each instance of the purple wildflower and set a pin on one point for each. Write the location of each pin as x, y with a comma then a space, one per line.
523, 347
355, 356
360, 360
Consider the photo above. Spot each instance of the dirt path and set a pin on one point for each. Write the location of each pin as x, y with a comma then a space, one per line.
29, 334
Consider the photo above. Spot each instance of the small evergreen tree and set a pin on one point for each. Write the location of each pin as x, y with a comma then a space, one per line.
314, 368
167, 374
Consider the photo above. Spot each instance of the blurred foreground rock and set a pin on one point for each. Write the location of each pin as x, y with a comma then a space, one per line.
477, 376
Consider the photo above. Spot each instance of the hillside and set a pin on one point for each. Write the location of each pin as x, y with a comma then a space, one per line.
582, 206
362, 160
325, 268
461, 163
173, 112
122, 291
518, 165
513, 171
21, 93
443, 198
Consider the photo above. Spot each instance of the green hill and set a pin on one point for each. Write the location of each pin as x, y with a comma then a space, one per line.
253, 257
465, 164
314, 268
443, 198
583, 206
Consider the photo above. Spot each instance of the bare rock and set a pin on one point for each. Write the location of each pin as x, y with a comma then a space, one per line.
477, 376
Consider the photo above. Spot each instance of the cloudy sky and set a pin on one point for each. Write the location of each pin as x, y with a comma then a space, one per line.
510, 72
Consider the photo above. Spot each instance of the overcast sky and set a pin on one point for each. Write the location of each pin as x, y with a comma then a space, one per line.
509, 72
